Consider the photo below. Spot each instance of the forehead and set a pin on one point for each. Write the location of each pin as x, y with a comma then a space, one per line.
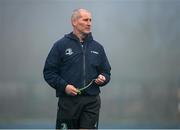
85, 14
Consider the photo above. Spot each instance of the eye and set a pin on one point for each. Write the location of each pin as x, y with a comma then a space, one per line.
87, 20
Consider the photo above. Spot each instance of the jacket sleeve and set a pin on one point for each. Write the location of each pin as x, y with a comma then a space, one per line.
105, 68
51, 70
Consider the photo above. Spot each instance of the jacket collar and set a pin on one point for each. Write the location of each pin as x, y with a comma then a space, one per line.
89, 37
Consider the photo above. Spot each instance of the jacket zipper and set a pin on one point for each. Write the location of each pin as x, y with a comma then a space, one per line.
84, 63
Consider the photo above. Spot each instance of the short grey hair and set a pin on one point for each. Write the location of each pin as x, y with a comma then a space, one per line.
76, 13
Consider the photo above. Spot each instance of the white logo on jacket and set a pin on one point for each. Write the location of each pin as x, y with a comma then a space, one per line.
69, 51
95, 52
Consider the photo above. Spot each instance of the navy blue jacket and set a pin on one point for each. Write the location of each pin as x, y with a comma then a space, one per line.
71, 63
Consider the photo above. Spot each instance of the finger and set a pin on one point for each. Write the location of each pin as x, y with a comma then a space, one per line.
74, 90
101, 77
99, 81
74, 93
71, 90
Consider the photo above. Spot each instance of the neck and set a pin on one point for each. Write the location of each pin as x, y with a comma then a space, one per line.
81, 36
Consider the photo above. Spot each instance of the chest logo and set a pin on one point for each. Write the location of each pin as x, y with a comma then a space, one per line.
69, 51
95, 52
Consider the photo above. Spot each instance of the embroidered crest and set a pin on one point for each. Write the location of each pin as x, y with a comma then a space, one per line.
69, 51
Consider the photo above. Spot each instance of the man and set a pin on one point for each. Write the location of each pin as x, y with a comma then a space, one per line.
76, 67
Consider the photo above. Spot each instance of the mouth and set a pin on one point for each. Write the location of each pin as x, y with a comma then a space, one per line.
88, 29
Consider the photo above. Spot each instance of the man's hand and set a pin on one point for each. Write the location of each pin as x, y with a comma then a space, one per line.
100, 79
71, 90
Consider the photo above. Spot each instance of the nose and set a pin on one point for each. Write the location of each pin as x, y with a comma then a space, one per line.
89, 22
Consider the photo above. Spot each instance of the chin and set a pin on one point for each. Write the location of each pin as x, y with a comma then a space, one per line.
87, 32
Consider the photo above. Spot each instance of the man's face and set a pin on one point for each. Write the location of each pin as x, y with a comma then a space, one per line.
83, 23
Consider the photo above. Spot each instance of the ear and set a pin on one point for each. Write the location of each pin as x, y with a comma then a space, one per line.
74, 22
